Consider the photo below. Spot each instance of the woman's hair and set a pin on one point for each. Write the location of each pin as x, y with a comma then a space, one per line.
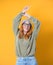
21, 33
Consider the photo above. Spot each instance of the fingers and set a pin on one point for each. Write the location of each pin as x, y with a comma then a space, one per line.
26, 8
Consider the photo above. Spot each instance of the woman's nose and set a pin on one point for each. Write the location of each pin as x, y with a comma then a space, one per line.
26, 26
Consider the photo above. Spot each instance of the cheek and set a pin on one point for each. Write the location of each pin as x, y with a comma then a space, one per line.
23, 26
28, 27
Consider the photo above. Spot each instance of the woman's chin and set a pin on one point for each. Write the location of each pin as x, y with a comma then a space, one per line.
25, 30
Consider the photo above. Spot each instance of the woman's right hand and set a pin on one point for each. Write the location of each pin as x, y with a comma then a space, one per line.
25, 9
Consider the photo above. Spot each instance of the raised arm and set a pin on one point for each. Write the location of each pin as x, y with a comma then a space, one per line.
36, 26
16, 22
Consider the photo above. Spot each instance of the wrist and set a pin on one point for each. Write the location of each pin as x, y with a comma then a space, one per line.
23, 11
29, 16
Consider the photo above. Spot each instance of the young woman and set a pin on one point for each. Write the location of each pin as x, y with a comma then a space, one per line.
25, 38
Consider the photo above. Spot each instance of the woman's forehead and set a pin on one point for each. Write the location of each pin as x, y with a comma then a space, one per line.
26, 24
25, 21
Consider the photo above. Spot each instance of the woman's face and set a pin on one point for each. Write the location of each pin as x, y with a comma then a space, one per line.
26, 27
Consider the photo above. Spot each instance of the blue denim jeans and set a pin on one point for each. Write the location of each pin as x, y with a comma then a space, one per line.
26, 61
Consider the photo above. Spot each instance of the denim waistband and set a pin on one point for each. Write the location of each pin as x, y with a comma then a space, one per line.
29, 60
26, 57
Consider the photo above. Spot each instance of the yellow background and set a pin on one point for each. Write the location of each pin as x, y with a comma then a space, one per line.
43, 11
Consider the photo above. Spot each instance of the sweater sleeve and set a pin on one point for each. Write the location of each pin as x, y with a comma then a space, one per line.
16, 22
36, 26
